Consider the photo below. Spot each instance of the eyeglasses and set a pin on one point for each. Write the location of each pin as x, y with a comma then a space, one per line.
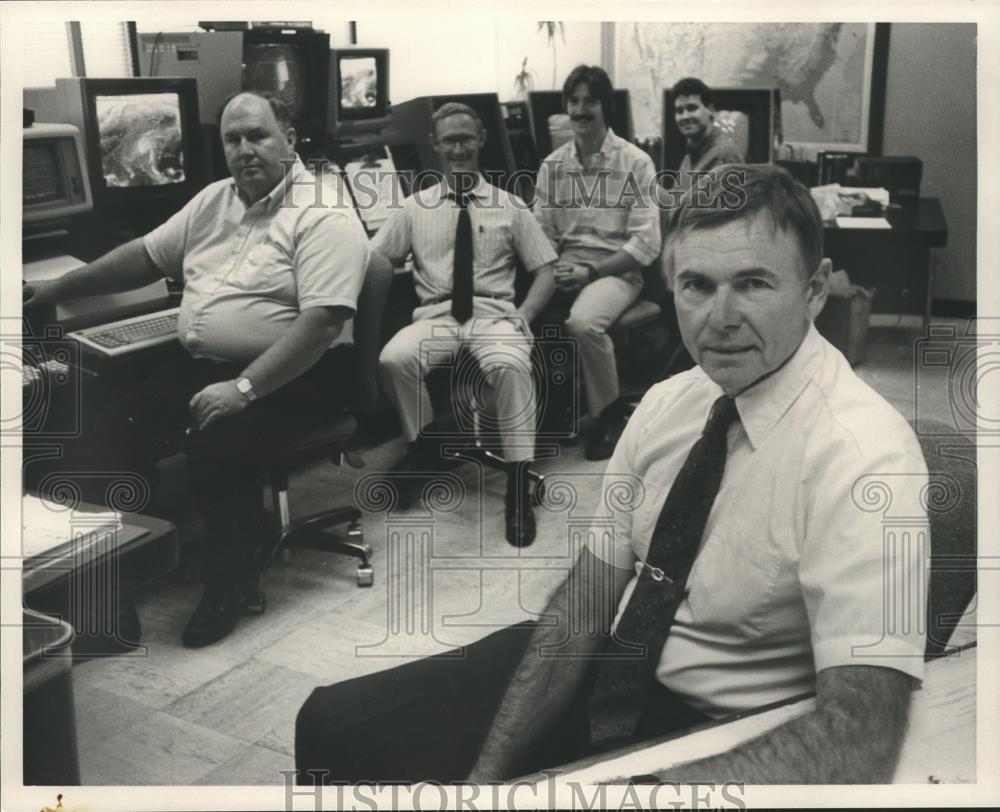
465, 141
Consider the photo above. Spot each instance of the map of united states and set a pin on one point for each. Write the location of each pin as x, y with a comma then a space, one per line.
819, 68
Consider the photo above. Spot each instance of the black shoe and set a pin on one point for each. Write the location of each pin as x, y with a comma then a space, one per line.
609, 428
215, 618
519, 516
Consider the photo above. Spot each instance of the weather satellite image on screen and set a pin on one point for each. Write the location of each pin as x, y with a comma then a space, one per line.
358, 83
141, 139
276, 68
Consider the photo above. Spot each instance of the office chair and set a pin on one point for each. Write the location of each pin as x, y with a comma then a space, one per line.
951, 512
331, 440
477, 405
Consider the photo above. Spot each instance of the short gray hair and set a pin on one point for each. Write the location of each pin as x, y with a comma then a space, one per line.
449, 109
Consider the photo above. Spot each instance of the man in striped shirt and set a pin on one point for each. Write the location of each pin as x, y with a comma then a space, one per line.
593, 199
465, 235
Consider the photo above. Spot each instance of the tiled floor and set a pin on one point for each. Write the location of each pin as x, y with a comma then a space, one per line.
225, 714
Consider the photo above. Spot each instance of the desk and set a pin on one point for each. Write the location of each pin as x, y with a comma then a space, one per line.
940, 744
897, 261
91, 583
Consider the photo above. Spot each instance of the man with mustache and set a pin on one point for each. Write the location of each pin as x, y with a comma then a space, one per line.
705, 145
593, 201
270, 279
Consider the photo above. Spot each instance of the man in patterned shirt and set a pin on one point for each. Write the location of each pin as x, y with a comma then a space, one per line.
593, 201
465, 284
705, 145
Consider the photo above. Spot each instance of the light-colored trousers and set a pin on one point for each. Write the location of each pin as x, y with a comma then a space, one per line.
495, 338
595, 309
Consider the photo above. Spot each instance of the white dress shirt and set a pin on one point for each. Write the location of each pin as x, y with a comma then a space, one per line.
814, 554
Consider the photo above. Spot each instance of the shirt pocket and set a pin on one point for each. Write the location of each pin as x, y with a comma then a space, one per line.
493, 241
732, 584
264, 268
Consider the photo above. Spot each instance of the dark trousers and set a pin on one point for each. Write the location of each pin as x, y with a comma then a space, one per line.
152, 420
427, 720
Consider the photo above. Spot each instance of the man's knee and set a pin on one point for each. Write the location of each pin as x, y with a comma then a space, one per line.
582, 325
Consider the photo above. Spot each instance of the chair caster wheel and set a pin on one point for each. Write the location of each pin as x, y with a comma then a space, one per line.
366, 576
254, 602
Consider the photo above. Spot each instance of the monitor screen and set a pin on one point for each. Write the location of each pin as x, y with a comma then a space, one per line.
358, 83
279, 68
42, 178
53, 177
141, 139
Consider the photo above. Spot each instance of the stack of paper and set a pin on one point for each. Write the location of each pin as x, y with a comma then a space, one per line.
47, 526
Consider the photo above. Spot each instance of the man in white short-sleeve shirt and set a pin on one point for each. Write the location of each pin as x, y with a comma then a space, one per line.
269, 282
795, 586
500, 230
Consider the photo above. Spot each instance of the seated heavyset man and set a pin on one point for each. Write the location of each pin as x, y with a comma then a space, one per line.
269, 280
705, 145
748, 568
465, 235
592, 199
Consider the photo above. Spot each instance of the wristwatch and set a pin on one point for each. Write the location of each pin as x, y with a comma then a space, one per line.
245, 388
592, 275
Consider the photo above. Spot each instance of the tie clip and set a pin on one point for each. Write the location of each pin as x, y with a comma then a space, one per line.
657, 574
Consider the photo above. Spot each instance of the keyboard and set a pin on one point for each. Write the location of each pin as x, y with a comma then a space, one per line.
127, 336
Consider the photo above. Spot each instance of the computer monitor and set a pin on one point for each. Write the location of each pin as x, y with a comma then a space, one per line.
359, 84
745, 114
551, 125
54, 174
140, 136
295, 66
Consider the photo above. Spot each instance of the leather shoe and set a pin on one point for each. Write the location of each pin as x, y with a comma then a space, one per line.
215, 618
518, 514
609, 428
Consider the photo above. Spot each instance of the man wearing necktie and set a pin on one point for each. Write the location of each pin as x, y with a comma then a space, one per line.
465, 235
737, 561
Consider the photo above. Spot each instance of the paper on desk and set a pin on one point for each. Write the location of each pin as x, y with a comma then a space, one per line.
862, 222
376, 189
700, 744
46, 526
940, 744
51, 268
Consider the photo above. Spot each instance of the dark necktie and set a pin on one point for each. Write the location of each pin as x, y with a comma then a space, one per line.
461, 286
622, 682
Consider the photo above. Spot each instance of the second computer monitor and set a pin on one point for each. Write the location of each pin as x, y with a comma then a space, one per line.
552, 127
359, 91
141, 136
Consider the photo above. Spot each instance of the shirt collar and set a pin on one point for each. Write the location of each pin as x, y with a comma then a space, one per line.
481, 190
764, 403
699, 149
610, 142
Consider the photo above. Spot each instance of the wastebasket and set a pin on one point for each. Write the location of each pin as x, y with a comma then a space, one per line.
50, 751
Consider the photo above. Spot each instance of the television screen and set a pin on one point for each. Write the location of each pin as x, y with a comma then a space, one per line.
141, 139
358, 83
42, 180
278, 68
